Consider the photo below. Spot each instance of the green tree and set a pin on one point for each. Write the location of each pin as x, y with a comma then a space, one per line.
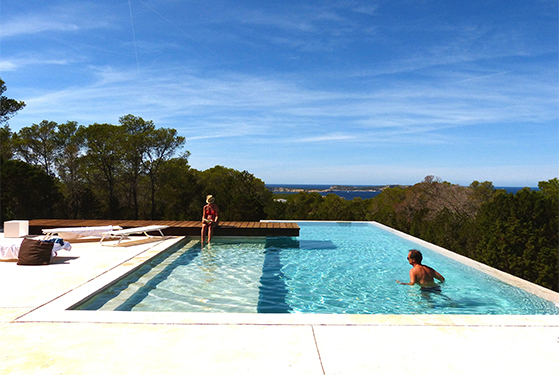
332, 207
6, 143
181, 190
359, 208
303, 206
219, 181
163, 143
103, 160
383, 207
138, 136
313, 206
482, 191
550, 188
249, 198
239, 195
37, 145
28, 192
8, 107
276, 209
518, 234
80, 199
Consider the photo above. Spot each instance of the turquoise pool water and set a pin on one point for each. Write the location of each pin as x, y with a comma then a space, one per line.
331, 268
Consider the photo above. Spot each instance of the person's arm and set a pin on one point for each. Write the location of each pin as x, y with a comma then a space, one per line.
439, 277
412, 279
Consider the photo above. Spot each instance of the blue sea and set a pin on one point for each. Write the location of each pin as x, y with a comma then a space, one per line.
350, 194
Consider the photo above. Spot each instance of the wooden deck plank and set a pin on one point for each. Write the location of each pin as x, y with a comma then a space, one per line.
177, 228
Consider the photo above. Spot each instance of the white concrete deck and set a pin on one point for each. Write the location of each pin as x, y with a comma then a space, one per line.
39, 336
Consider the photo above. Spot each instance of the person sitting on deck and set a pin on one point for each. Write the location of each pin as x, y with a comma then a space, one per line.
210, 217
422, 275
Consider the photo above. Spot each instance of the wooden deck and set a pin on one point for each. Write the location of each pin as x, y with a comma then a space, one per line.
177, 228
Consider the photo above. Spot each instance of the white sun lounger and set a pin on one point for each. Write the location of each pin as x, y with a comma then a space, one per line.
77, 232
123, 233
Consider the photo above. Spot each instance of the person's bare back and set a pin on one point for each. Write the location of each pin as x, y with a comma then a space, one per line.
424, 276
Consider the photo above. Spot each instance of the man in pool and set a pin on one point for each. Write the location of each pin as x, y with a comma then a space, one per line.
422, 275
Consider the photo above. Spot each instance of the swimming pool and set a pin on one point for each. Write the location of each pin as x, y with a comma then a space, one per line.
331, 268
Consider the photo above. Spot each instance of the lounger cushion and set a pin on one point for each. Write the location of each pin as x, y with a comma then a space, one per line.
34, 252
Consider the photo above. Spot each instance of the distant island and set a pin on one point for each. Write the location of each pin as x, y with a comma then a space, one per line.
333, 188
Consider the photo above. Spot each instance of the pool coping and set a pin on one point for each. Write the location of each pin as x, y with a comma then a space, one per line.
57, 310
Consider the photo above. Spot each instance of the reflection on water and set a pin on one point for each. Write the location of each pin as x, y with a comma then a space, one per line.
208, 264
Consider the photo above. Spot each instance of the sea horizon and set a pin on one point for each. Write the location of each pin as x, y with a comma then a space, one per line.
351, 194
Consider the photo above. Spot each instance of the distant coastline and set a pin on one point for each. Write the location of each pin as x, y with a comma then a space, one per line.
326, 188
352, 191
348, 192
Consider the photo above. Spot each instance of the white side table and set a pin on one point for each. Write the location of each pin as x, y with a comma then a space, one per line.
16, 228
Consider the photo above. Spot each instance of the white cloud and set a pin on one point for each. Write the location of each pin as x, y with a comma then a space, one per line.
33, 25
67, 17
19, 63
6, 66
331, 137
265, 105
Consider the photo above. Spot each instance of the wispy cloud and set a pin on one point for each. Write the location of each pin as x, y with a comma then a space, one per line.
26, 25
331, 137
307, 28
15, 64
253, 105
70, 17
306, 81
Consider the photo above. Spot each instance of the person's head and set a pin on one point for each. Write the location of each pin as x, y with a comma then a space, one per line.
415, 256
210, 199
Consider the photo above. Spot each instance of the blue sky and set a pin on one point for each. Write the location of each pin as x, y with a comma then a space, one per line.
333, 92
